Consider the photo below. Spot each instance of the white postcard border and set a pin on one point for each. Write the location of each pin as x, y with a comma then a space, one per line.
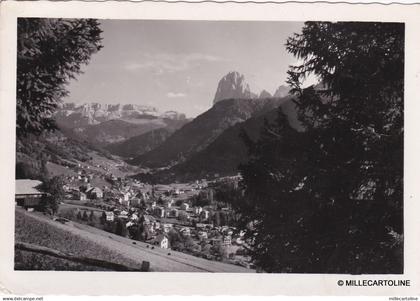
122, 283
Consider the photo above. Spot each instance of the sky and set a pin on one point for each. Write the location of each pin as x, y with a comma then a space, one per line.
176, 65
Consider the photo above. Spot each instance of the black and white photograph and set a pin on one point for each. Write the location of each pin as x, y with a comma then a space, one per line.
209, 146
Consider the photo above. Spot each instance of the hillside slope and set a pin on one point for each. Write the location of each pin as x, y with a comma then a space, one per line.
30, 228
138, 145
60, 150
115, 131
204, 129
223, 156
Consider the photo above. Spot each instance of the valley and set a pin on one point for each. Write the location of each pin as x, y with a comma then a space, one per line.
157, 179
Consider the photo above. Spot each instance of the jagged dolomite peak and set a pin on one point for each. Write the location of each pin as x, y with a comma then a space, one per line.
232, 85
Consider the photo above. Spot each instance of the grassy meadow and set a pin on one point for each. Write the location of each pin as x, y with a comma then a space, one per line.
30, 230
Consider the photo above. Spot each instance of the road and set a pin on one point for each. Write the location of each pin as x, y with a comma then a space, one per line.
160, 260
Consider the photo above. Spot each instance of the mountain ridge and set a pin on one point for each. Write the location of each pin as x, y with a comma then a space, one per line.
140, 144
200, 132
227, 151
77, 115
104, 124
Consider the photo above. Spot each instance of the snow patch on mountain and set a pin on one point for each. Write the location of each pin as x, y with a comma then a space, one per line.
74, 115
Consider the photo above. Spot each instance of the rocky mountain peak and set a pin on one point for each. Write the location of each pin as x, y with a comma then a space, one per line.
232, 85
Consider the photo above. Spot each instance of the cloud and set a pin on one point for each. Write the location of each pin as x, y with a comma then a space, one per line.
175, 95
160, 63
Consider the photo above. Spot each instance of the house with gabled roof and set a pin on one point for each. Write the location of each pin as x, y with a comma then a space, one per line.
94, 193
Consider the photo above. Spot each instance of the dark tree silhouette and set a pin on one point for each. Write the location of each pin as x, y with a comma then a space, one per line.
121, 228
85, 216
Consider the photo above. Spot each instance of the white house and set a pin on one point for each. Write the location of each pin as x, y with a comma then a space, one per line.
200, 226
205, 214
124, 198
82, 196
197, 210
123, 214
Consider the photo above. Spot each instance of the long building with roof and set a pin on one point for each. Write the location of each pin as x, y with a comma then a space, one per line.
27, 193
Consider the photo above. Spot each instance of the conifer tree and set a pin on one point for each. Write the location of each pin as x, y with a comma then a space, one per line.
50, 52
329, 198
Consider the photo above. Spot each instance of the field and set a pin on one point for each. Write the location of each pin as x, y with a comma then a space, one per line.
116, 166
69, 211
30, 230
58, 170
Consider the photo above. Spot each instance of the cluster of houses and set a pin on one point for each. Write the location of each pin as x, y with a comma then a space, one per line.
183, 212
159, 228
163, 208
